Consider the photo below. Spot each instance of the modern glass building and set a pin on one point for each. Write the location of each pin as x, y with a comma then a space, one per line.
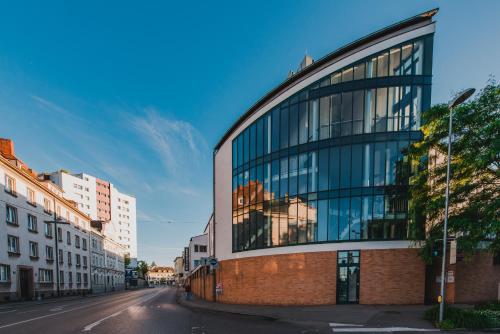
317, 168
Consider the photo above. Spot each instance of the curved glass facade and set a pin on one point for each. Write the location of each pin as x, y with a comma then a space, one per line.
327, 164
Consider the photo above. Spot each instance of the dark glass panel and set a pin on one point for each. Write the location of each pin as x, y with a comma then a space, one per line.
284, 223
284, 128
235, 154
293, 174
323, 169
253, 141
275, 179
335, 115
367, 165
267, 133
275, 135
403, 164
246, 229
303, 162
428, 55
393, 109
366, 216
322, 220
418, 57
346, 114
344, 219
267, 224
251, 186
246, 142
260, 226
313, 172
240, 233
383, 65
406, 100
240, 190
395, 61
235, 233
347, 74
252, 236
406, 59
283, 177
240, 150
313, 120
355, 221
416, 107
302, 219
345, 167
292, 221
260, 137
294, 124
246, 196
303, 123
275, 227
336, 78
379, 164
267, 181
333, 219
334, 176
359, 71
381, 115
371, 68
260, 183
369, 111
357, 166
312, 221
324, 118
357, 111
391, 156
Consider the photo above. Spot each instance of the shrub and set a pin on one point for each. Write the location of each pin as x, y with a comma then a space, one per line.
469, 318
492, 306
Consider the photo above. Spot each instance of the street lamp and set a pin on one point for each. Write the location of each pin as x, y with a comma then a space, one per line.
459, 99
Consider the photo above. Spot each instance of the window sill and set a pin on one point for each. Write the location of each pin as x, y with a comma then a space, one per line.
33, 231
48, 212
49, 261
49, 236
34, 258
14, 253
31, 203
12, 224
11, 193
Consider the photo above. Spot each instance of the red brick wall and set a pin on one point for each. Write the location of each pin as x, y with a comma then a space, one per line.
392, 277
202, 285
477, 279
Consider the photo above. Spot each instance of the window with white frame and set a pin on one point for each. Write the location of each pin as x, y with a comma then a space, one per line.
13, 244
4, 273
11, 214
60, 255
84, 244
47, 205
84, 261
10, 185
59, 234
78, 260
77, 241
31, 196
33, 249
32, 223
48, 230
45, 276
49, 253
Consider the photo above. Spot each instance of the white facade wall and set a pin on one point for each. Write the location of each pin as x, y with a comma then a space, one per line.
123, 227
21, 263
195, 254
223, 159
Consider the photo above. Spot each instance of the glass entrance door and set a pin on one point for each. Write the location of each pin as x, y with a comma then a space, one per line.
347, 277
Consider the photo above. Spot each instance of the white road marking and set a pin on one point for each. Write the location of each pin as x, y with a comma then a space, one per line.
9, 311
51, 315
338, 324
55, 309
98, 322
382, 329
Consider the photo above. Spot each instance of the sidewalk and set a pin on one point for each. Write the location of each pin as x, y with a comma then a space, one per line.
366, 315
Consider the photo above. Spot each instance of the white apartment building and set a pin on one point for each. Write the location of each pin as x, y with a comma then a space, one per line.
38, 259
160, 275
198, 248
102, 201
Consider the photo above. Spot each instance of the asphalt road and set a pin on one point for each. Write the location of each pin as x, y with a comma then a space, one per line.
141, 311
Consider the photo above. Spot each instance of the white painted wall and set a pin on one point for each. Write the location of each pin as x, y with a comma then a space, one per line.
223, 160
123, 227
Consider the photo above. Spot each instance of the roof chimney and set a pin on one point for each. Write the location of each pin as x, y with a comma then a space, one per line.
7, 148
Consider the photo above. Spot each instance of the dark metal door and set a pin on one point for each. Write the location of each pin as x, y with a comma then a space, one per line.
24, 283
348, 277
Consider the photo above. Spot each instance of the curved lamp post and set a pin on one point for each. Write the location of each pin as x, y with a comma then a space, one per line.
459, 99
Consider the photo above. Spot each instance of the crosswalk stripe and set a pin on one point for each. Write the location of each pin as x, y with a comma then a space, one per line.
381, 329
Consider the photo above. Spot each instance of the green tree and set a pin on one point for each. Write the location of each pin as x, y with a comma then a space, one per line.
142, 268
127, 260
475, 182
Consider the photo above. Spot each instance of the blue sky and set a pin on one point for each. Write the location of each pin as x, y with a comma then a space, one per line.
140, 93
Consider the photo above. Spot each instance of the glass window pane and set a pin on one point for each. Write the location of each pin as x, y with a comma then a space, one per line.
333, 219
293, 174
303, 123
359, 71
284, 224
246, 197
260, 137
324, 118
240, 150
395, 62
284, 128
344, 219
390, 164
284, 177
267, 181
246, 145
404, 119
345, 167
313, 172
347, 74
393, 109
334, 176
275, 227
235, 153
294, 125
335, 116
357, 112
303, 173
312, 221
336, 78
240, 190
253, 141
366, 216
260, 226
267, 133
313, 120
252, 237
322, 220
383, 65
275, 178
418, 57
381, 116
323, 170
267, 224
240, 233
369, 110
357, 166
302, 218
276, 130
367, 165
406, 59
292, 221
355, 228
251, 186
260, 183
346, 115
378, 164
371, 68
246, 230
235, 233
416, 108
